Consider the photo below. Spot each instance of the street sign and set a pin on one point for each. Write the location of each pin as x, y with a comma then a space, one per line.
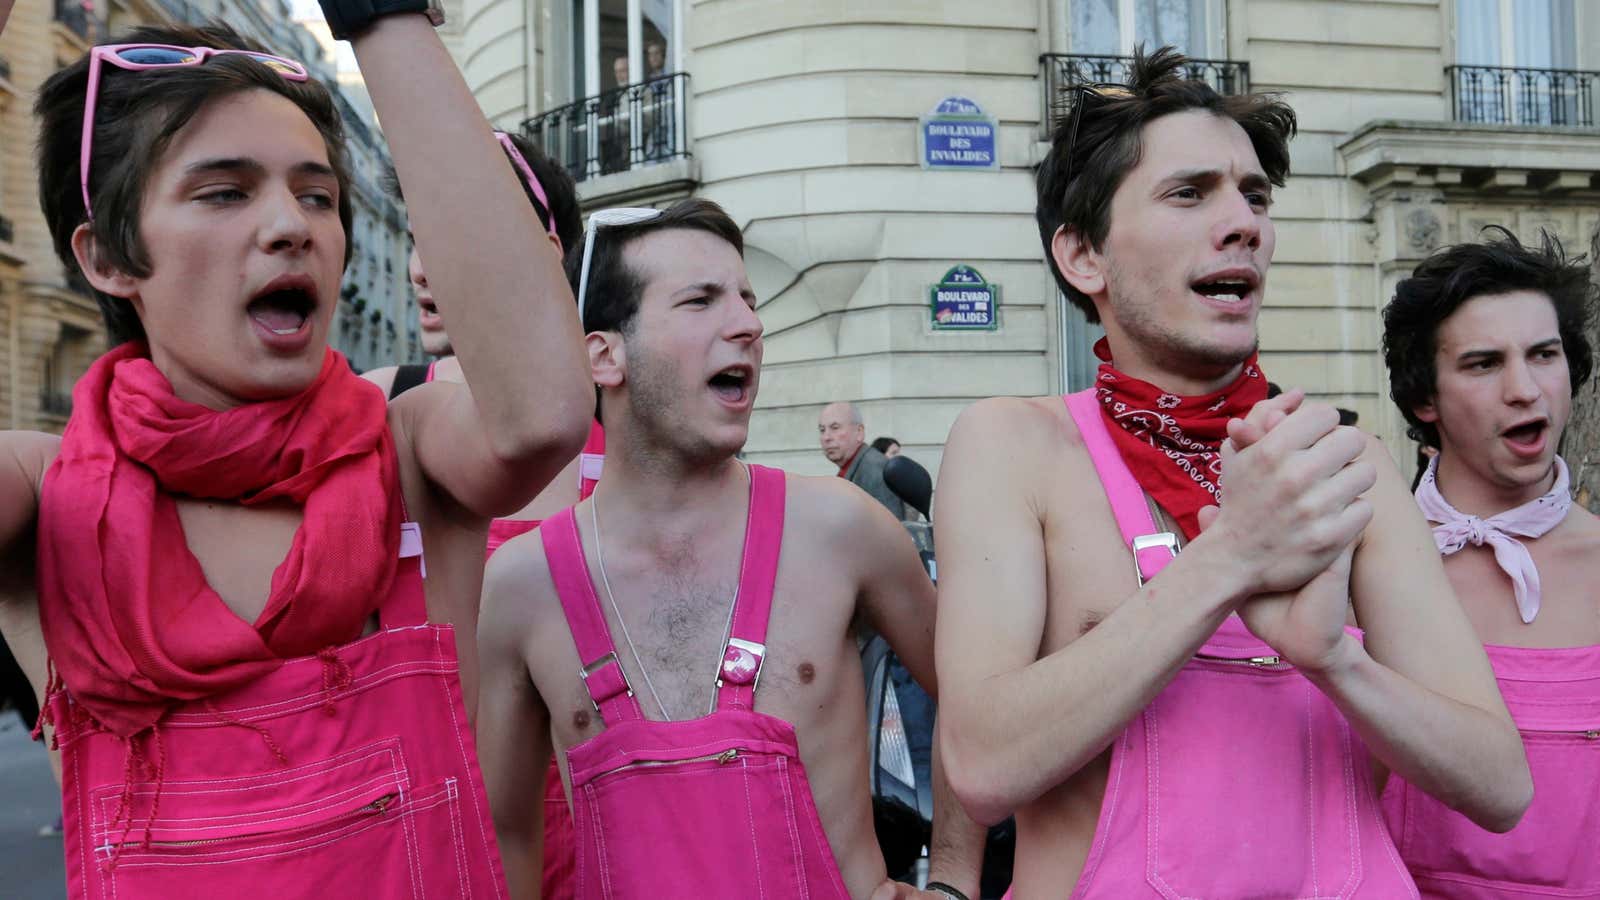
957, 135
963, 301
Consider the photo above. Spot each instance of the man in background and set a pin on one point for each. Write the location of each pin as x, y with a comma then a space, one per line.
843, 437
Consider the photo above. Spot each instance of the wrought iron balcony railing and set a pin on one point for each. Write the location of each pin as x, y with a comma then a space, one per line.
1063, 70
8, 232
1521, 96
627, 128
72, 14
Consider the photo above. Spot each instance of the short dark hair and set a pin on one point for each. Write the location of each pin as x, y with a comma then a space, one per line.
1444, 281
553, 177
614, 288
1078, 177
136, 116
882, 444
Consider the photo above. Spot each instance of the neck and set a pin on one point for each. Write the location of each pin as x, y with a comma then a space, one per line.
650, 488
193, 390
1475, 496
1191, 380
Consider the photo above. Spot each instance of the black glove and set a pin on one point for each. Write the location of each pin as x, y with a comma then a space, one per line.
347, 18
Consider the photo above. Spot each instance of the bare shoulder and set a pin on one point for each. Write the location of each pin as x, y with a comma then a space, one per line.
516, 581
1023, 423
31, 452
383, 377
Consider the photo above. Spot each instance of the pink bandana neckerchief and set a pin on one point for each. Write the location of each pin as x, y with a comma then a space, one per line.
1533, 519
1173, 444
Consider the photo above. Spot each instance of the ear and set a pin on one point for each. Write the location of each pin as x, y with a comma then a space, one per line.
555, 239
1426, 412
608, 364
104, 277
1080, 264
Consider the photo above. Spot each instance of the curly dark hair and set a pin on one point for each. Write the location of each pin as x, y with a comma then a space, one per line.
1450, 277
137, 114
1090, 157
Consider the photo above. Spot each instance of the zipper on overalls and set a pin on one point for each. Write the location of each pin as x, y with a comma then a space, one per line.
1254, 662
723, 758
1588, 734
378, 806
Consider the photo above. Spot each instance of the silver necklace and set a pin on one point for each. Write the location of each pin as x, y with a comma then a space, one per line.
605, 581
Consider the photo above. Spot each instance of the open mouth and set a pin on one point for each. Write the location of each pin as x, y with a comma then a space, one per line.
732, 385
1225, 290
283, 310
1526, 434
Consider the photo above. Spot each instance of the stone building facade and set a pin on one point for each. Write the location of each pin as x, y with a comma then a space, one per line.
1420, 122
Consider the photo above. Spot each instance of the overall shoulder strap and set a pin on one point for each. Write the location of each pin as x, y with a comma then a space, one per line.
407, 377
752, 605
407, 603
602, 671
1152, 549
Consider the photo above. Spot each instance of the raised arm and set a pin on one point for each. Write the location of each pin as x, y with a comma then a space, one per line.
24, 457
1015, 724
899, 602
513, 722
497, 280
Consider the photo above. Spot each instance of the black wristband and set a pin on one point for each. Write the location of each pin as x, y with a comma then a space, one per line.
946, 889
347, 18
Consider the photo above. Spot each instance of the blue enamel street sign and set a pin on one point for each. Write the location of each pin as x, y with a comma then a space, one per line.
963, 301
957, 135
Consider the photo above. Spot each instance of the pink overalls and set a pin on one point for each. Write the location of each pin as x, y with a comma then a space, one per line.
1240, 779
715, 807
347, 774
1554, 697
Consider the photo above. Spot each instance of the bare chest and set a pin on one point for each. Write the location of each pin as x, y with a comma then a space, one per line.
239, 549
670, 633
1569, 608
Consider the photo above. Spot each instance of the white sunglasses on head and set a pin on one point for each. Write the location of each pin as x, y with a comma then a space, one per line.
617, 215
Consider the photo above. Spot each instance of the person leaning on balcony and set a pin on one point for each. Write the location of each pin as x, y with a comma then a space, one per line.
1073, 629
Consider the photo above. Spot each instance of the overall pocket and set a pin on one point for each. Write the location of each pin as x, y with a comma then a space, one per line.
1251, 786
1551, 852
718, 823
348, 826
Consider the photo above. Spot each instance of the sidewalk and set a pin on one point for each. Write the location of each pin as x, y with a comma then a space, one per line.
31, 867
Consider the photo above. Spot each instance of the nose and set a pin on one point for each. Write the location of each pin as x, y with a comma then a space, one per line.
286, 228
1238, 223
742, 325
1519, 387
414, 269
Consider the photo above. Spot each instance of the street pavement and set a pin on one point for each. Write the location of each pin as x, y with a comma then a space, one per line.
31, 866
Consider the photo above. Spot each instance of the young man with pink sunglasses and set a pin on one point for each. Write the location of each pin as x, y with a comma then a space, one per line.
252, 694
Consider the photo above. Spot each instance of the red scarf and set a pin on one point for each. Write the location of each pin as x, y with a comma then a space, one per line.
130, 622
1172, 444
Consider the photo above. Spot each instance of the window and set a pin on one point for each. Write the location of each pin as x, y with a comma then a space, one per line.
1534, 34
1516, 64
612, 49
1115, 27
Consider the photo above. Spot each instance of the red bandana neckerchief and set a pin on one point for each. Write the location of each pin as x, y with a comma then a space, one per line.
131, 624
1172, 444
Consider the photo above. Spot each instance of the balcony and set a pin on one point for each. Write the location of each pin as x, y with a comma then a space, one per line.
72, 14
5, 69
1519, 96
57, 404
8, 232
1063, 70
621, 130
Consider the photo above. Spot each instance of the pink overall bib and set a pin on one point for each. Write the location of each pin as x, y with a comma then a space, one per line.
1240, 779
1554, 697
715, 807
347, 774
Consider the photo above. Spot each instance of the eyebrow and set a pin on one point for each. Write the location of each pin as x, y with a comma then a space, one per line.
1255, 181
253, 167
710, 287
1476, 355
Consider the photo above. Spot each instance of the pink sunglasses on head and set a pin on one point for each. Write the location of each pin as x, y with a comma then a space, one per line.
140, 57
532, 180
